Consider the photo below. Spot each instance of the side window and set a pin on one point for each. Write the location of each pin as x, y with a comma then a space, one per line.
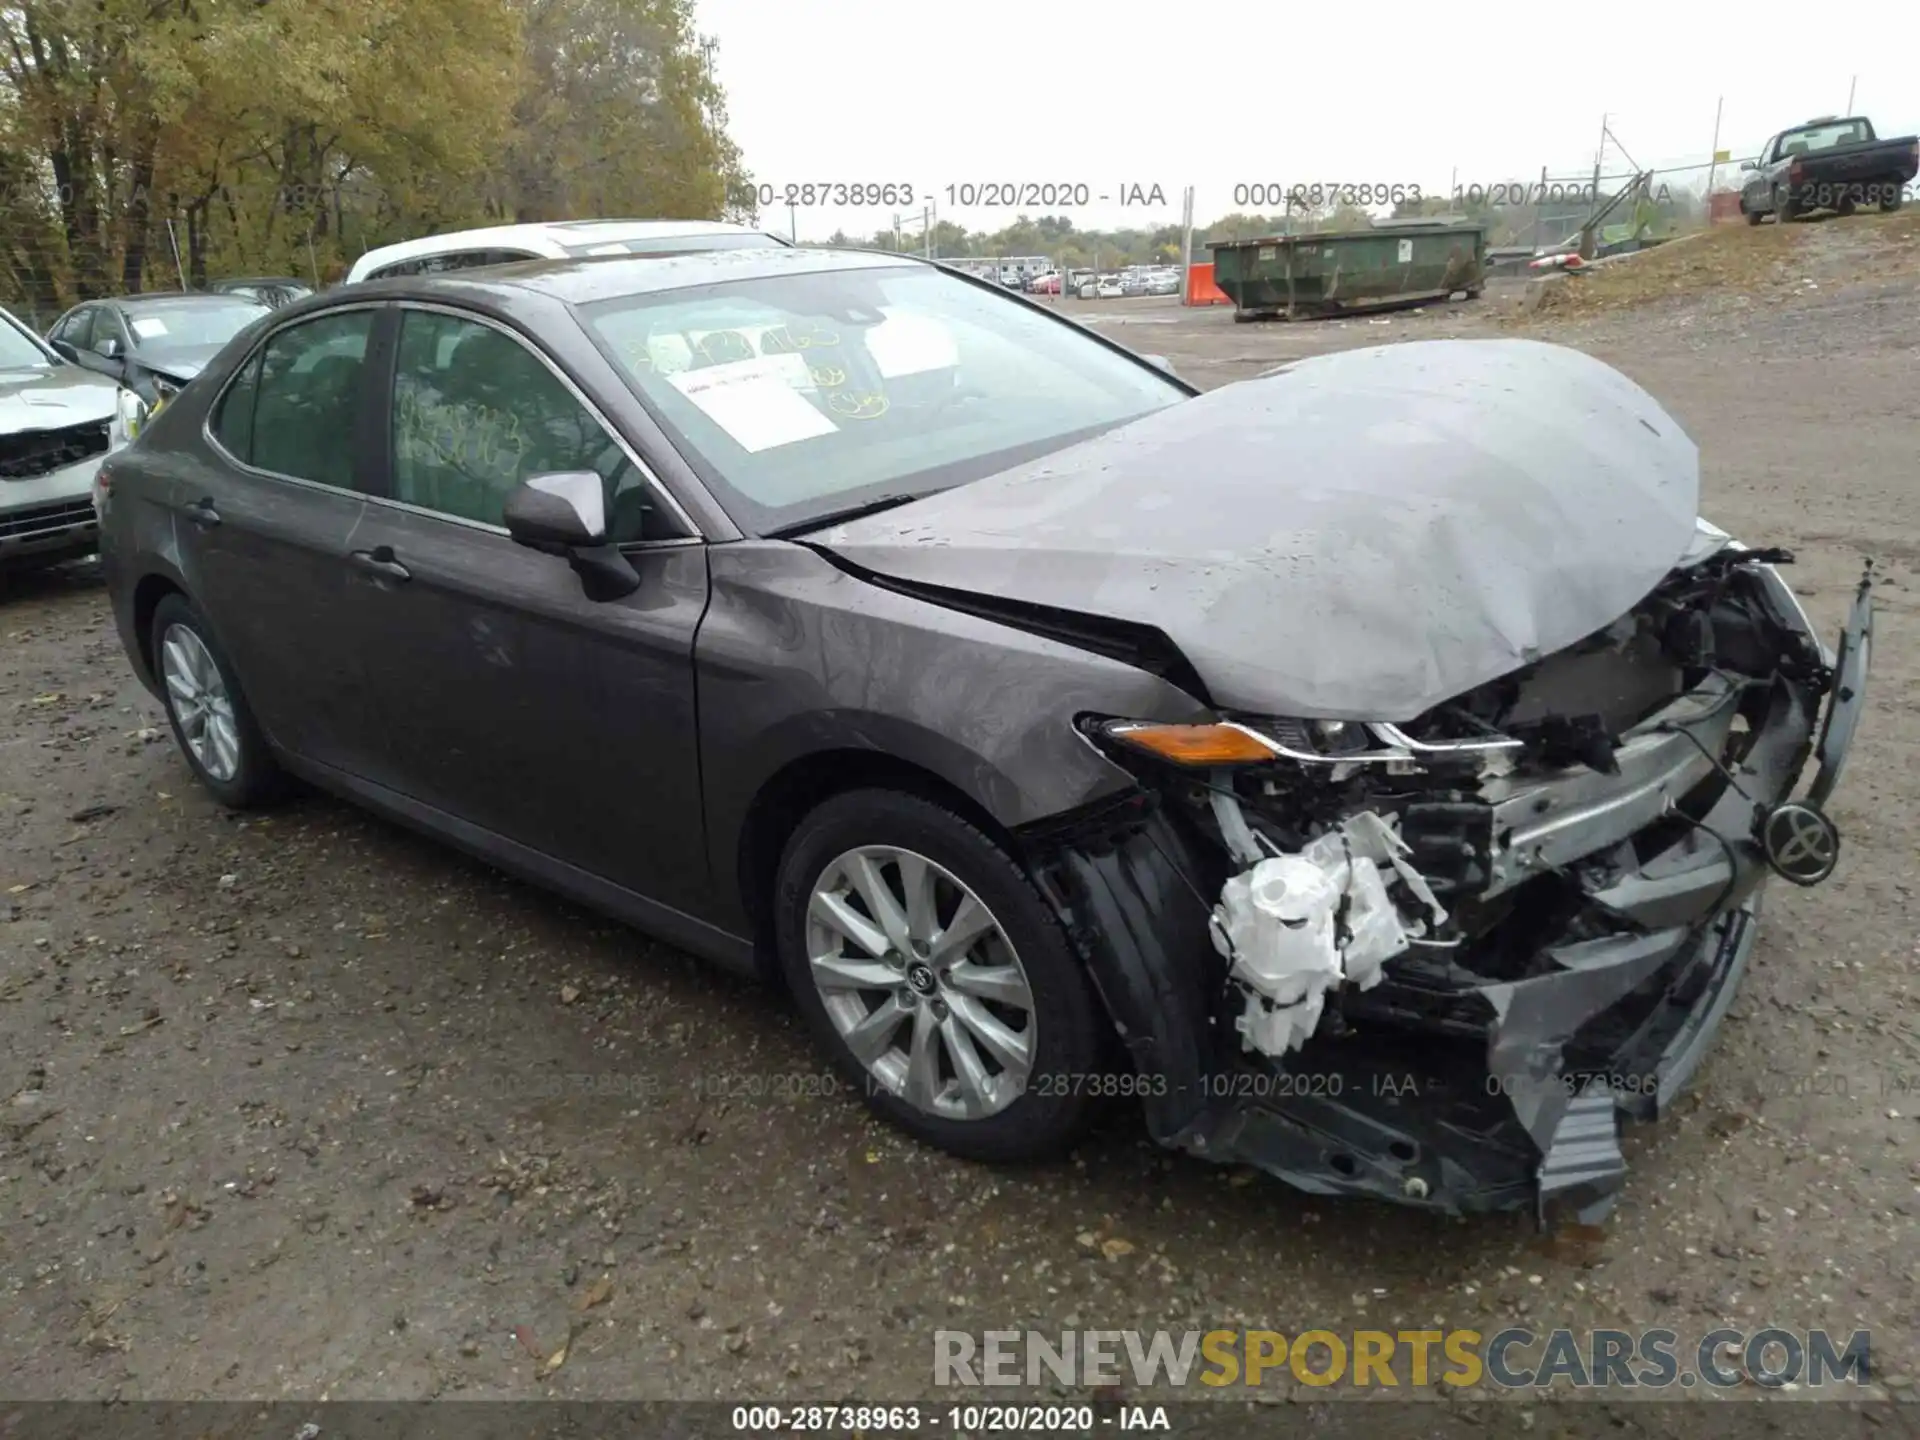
79, 333
471, 260
233, 419
309, 398
476, 413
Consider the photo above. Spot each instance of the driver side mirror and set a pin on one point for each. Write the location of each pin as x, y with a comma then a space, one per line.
566, 514
1749, 164
1161, 361
108, 349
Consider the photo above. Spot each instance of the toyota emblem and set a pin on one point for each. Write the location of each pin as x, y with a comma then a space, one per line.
1802, 844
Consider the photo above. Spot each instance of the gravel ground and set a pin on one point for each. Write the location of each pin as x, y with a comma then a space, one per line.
306, 1106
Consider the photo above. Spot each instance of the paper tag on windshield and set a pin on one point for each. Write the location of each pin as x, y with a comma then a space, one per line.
903, 345
755, 402
148, 328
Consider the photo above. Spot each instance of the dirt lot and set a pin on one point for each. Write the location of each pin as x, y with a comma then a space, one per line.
306, 1106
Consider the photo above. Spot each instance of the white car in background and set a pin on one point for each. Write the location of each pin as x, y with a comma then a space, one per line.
57, 422
556, 240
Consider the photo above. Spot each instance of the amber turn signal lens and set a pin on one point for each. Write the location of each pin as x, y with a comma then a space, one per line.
1193, 744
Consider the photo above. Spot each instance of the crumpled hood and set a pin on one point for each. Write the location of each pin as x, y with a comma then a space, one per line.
53, 397
1358, 536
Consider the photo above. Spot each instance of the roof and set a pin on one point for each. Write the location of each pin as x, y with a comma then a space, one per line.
174, 299
567, 233
586, 280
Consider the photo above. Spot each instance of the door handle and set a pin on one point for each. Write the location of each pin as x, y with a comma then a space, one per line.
379, 561
202, 513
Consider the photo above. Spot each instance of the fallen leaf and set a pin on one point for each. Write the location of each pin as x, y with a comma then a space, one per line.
47, 699
527, 1342
559, 1357
1113, 1249
569, 994
601, 1292
147, 1024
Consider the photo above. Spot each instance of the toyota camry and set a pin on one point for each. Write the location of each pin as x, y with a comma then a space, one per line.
1371, 769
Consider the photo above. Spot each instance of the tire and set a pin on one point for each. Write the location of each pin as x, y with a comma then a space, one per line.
1014, 1120
1754, 217
1896, 196
255, 779
1783, 208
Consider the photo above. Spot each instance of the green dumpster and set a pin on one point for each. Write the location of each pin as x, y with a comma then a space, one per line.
1393, 263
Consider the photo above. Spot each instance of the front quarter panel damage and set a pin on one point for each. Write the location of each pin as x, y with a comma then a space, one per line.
1601, 885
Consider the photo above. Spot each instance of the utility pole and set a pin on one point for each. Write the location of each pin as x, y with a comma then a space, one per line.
1713, 166
1850, 84
1186, 248
173, 240
793, 224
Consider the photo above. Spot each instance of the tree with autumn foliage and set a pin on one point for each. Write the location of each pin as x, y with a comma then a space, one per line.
147, 143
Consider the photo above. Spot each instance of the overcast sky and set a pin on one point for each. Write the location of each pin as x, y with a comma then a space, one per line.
1227, 93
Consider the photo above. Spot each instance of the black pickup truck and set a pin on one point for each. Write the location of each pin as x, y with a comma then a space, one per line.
1828, 164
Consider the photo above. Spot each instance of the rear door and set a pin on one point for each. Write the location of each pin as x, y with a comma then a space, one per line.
511, 701
266, 523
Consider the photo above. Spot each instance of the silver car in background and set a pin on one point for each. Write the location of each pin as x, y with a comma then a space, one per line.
57, 422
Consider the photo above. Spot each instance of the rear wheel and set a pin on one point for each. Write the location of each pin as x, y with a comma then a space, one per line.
937, 977
211, 722
1892, 200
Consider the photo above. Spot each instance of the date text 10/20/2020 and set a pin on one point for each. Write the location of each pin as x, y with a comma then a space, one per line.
961, 194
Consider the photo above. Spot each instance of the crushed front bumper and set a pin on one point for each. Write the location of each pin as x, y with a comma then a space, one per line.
1438, 1088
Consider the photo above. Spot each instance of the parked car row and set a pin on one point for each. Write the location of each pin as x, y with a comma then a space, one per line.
106, 367
1140, 280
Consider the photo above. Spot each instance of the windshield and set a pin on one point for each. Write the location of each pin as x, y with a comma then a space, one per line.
169, 329
800, 395
668, 244
17, 351
1823, 137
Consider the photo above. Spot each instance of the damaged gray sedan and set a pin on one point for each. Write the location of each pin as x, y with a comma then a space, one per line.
1372, 767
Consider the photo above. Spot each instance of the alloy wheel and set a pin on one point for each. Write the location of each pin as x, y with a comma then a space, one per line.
198, 697
921, 982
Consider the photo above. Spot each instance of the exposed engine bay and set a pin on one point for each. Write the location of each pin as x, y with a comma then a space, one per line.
1436, 961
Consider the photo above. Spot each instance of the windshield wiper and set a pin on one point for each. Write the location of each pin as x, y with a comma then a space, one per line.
838, 517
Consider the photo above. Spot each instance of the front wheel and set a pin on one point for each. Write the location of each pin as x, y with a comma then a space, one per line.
937, 977
1783, 206
210, 719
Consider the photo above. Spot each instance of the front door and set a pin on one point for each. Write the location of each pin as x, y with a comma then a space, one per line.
512, 701
265, 521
